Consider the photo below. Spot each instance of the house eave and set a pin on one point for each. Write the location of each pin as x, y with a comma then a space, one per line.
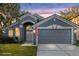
58, 17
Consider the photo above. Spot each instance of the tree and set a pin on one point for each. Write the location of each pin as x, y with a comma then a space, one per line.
2, 20
24, 13
8, 12
10, 9
70, 13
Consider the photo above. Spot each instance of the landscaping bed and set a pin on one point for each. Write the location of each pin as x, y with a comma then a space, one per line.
17, 50
77, 43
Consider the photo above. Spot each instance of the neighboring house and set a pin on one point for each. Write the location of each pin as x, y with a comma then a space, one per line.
36, 29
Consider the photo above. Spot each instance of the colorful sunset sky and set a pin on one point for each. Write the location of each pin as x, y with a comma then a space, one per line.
46, 9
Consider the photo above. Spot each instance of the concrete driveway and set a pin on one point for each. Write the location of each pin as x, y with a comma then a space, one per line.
57, 50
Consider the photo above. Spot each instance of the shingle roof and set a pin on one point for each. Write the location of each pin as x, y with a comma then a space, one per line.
37, 15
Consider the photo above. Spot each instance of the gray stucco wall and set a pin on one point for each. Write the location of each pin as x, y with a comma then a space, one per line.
56, 21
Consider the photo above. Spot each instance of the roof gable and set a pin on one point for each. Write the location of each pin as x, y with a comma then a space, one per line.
38, 16
58, 17
21, 20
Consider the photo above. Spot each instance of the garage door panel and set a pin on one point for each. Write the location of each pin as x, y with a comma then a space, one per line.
54, 36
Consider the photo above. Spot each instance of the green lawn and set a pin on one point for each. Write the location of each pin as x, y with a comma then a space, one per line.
17, 50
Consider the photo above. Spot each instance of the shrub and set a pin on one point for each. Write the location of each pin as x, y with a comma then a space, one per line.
9, 40
1, 33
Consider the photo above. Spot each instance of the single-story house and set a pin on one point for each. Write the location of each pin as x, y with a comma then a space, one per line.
36, 29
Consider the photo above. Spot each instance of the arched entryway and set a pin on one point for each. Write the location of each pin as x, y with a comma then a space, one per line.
28, 32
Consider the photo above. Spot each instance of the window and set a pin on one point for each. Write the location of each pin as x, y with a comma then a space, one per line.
17, 32
29, 27
10, 33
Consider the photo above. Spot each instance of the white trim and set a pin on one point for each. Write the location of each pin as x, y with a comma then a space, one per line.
37, 40
55, 28
27, 16
27, 21
72, 33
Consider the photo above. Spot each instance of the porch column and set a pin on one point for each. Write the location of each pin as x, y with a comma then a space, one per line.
14, 37
5, 33
36, 35
22, 33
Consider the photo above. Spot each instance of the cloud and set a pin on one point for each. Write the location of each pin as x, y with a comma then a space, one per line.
46, 9
45, 12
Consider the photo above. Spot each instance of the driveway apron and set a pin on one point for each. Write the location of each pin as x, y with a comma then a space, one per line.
57, 50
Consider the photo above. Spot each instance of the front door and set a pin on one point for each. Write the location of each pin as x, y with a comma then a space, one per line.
29, 36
